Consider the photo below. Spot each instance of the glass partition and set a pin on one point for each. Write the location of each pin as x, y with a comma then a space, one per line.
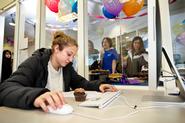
64, 20
121, 29
7, 43
27, 29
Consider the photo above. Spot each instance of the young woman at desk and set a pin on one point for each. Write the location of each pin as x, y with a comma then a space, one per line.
137, 60
38, 81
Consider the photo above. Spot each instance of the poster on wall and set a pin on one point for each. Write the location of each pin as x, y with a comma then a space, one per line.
24, 45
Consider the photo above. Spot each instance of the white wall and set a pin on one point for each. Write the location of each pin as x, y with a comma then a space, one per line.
2, 23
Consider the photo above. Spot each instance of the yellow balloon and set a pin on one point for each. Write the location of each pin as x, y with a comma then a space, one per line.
132, 7
178, 28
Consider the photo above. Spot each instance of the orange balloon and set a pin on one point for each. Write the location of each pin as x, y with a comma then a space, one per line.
132, 7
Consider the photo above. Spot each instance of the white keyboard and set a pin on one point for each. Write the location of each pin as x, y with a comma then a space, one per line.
101, 101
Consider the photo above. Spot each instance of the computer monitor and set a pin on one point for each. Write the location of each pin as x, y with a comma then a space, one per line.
160, 50
158, 42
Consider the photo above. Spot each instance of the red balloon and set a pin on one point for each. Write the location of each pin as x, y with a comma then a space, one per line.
132, 7
52, 5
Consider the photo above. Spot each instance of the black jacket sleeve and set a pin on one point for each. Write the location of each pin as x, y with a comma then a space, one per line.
20, 89
78, 81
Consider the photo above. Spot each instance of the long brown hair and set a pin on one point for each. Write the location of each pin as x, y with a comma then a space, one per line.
142, 49
62, 40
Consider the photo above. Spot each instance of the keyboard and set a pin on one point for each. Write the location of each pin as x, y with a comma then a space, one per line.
102, 101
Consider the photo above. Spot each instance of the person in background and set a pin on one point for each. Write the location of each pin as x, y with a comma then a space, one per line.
108, 55
93, 56
137, 60
6, 65
40, 80
121, 64
91, 48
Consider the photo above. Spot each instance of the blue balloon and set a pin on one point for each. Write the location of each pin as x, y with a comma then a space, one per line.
183, 22
75, 7
107, 14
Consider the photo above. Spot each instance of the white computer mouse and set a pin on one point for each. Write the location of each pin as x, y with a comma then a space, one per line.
66, 109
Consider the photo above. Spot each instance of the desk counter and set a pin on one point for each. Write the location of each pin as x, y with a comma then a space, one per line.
128, 108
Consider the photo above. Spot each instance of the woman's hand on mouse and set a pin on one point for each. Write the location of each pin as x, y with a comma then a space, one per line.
107, 87
55, 99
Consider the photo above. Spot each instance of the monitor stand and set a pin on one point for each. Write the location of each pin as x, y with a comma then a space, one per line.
171, 97
177, 98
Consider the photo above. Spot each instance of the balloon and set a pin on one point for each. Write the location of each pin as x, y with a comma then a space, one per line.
52, 5
107, 14
114, 7
183, 22
71, 2
181, 38
178, 28
64, 7
132, 7
75, 7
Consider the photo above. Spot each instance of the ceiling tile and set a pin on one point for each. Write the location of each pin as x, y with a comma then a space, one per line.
4, 3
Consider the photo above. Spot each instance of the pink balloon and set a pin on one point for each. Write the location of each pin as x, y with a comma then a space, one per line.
181, 38
52, 5
113, 6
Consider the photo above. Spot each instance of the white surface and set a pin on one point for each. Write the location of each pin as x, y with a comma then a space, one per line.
120, 111
66, 109
102, 101
152, 73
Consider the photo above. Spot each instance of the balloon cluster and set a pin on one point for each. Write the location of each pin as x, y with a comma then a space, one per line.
61, 5
112, 8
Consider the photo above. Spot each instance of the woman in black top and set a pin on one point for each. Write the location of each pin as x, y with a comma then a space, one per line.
137, 58
6, 65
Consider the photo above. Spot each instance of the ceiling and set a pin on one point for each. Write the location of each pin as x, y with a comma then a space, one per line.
4, 4
94, 9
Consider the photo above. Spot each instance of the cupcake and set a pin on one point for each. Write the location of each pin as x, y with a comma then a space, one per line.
80, 94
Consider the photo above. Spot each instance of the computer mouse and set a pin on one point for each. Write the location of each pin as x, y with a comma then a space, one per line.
65, 109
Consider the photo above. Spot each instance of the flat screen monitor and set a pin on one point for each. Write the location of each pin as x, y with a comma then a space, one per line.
158, 42
160, 50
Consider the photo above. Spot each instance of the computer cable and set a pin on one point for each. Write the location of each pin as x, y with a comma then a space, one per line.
114, 118
133, 112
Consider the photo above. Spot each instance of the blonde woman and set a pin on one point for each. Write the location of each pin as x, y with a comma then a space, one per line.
39, 81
